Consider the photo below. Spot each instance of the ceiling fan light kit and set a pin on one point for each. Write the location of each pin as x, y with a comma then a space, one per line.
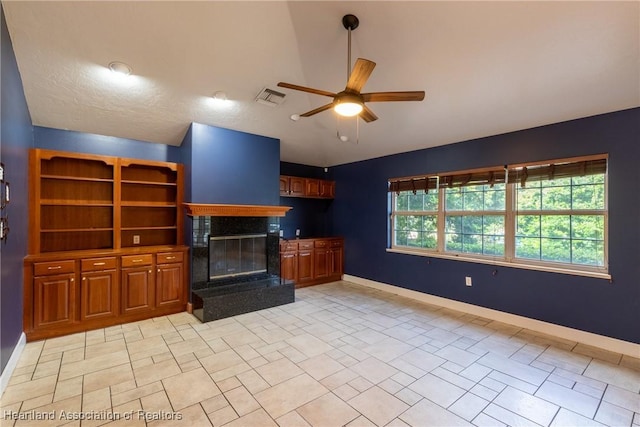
351, 102
348, 105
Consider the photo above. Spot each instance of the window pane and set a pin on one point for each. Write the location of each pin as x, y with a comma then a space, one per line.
555, 226
493, 245
528, 225
558, 250
477, 234
416, 231
415, 202
472, 200
527, 247
587, 227
472, 225
588, 252
453, 199
421, 201
402, 201
529, 198
431, 201
494, 198
588, 196
556, 198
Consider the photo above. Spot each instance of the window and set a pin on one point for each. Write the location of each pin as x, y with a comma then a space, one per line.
562, 221
474, 219
415, 222
544, 216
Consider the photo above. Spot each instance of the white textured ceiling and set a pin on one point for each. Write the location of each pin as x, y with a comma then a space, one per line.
487, 68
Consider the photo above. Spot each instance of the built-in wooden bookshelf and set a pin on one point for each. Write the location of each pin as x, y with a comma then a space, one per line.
82, 201
105, 242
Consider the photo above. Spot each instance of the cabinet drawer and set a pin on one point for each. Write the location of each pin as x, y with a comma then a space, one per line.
96, 264
169, 257
137, 260
336, 243
321, 243
305, 244
53, 267
288, 246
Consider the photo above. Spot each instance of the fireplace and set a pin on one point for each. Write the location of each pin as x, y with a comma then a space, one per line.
232, 256
235, 261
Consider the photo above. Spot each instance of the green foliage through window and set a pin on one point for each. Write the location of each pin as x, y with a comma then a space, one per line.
549, 221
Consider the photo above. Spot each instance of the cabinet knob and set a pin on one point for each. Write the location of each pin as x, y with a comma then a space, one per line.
71, 280
150, 271
84, 278
158, 271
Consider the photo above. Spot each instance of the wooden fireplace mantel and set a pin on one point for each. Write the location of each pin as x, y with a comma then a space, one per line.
196, 209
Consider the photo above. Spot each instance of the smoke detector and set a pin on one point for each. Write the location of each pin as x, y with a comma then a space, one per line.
270, 97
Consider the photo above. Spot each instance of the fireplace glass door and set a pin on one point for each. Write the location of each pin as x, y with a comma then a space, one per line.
237, 255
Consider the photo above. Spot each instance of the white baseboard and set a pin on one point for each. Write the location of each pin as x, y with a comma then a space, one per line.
595, 340
12, 363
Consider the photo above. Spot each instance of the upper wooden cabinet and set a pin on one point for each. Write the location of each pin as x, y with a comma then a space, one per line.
292, 186
83, 201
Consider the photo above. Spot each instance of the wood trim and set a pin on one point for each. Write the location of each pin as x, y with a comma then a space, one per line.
195, 209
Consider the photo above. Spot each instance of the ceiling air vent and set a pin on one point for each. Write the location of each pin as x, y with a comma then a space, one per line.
270, 97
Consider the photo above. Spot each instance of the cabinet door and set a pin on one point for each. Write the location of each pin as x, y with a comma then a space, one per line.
335, 262
305, 266
312, 188
327, 189
54, 300
98, 295
137, 289
321, 263
169, 284
296, 186
289, 266
284, 185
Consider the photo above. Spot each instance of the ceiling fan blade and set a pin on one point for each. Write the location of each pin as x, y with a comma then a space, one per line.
359, 75
367, 115
307, 89
393, 96
317, 110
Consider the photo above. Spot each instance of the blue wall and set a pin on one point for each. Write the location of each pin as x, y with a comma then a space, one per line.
612, 309
231, 167
16, 139
81, 142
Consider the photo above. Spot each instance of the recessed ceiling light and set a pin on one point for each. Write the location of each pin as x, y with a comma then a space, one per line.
120, 68
295, 117
220, 96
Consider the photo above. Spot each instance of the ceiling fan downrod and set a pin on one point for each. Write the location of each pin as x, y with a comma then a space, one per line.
350, 22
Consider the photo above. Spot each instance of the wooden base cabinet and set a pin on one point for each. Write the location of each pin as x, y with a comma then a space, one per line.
169, 279
114, 287
311, 261
137, 290
54, 300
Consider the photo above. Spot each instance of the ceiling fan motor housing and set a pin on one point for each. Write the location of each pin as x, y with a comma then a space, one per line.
350, 22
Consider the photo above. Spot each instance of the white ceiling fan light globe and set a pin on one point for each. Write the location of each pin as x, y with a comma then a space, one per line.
348, 106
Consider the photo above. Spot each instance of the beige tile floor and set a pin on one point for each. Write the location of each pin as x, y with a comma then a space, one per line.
340, 355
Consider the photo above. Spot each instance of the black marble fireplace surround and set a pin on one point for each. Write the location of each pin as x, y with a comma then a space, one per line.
218, 298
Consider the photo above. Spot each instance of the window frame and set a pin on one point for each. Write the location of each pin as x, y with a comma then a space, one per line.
509, 259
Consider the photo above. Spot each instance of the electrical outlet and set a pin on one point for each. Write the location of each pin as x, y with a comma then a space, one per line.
467, 281
297, 232
136, 239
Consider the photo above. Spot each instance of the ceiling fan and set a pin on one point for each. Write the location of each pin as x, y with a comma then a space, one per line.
351, 102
